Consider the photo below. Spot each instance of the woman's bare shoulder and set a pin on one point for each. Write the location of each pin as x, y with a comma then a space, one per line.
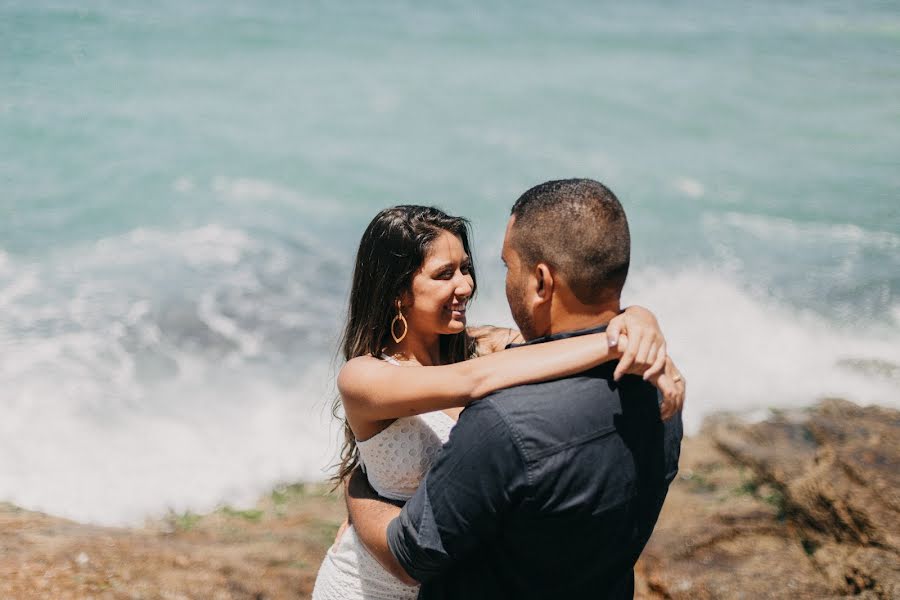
493, 339
356, 371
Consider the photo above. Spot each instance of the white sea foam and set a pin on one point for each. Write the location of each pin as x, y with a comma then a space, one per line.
780, 229
248, 190
242, 188
211, 314
201, 246
690, 187
183, 185
742, 353
92, 431
71, 461
113, 411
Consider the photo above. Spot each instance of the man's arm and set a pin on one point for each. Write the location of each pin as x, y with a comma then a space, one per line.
477, 477
370, 515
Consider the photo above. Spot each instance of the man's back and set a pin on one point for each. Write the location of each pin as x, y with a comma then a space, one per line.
560, 483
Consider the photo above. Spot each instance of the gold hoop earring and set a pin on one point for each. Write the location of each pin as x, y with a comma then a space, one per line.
402, 319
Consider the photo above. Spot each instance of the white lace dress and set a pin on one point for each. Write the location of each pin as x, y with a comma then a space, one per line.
395, 461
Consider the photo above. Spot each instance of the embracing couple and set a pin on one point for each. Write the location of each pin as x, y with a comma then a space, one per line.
530, 463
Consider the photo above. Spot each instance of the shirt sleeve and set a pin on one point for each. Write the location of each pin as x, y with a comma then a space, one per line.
461, 502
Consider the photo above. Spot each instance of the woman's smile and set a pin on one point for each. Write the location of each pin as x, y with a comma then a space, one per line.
457, 310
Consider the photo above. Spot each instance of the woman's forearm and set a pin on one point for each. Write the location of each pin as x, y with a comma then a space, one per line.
374, 390
532, 364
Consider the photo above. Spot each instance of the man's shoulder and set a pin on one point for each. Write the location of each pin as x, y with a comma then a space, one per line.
484, 417
596, 383
586, 405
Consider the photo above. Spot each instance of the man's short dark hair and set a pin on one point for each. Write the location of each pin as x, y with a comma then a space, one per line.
578, 227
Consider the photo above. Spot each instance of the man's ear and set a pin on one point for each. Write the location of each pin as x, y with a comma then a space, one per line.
543, 282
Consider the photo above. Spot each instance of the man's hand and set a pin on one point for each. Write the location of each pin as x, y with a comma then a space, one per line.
370, 515
673, 387
637, 335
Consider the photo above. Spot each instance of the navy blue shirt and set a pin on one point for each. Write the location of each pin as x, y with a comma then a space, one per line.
547, 490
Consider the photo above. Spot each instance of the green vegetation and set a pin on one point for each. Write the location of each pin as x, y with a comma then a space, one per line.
184, 521
747, 488
254, 515
283, 494
698, 483
777, 499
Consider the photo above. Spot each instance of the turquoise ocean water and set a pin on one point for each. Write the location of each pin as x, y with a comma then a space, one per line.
182, 187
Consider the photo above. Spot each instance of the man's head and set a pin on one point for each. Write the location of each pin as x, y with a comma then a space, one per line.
567, 250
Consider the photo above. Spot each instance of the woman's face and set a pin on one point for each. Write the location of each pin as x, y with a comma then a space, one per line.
441, 288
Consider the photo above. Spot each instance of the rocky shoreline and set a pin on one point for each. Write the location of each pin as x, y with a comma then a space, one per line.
803, 505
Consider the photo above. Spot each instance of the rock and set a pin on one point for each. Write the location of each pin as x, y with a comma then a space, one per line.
804, 505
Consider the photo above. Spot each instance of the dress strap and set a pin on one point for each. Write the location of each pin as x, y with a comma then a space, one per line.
390, 359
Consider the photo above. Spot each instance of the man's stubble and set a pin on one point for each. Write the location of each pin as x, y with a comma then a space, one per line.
521, 315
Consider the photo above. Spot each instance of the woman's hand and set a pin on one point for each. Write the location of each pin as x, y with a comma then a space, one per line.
644, 348
341, 530
673, 387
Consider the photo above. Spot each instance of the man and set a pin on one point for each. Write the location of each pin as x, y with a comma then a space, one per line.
547, 490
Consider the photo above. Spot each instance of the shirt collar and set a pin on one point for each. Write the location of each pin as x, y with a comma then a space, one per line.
561, 336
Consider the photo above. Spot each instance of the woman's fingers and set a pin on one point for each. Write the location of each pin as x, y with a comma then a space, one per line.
667, 388
659, 362
614, 329
641, 368
629, 351
640, 359
673, 388
680, 390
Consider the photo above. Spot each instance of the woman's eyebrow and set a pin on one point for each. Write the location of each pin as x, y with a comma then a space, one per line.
450, 264
442, 266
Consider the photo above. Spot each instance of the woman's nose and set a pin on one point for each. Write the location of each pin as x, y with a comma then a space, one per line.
463, 286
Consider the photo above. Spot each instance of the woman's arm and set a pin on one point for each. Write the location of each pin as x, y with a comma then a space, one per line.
645, 354
374, 390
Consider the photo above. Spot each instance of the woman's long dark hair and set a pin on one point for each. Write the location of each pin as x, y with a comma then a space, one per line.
391, 251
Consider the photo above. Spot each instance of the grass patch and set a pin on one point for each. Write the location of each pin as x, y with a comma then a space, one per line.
698, 483
777, 499
764, 492
253, 515
283, 494
184, 521
747, 488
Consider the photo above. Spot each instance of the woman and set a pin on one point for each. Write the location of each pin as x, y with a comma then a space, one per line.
408, 372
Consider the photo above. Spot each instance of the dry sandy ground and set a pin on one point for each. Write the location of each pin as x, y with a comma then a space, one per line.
272, 551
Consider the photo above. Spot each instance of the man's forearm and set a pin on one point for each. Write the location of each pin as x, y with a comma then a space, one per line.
370, 515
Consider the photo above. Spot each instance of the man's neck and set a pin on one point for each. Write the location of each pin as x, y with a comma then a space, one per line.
586, 317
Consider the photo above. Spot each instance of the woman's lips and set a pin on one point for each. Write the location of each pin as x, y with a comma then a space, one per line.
457, 311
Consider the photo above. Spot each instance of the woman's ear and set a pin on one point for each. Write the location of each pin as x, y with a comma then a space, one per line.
405, 298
